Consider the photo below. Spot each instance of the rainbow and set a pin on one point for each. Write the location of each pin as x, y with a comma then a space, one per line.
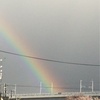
6, 31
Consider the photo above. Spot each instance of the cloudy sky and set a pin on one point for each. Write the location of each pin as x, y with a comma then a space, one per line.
64, 30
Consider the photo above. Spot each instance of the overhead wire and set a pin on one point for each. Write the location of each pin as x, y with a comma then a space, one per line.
49, 60
45, 87
30, 86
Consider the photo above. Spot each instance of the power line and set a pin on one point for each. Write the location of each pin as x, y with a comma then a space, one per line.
49, 60
44, 87
31, 86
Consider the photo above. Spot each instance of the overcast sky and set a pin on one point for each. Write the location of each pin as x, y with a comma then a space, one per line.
66, 30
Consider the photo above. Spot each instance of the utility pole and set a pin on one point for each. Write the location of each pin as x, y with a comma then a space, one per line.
40, 87
0, 75
11, 93
15, 89
15, 92
92, 86
80, 86
51, 88
5, 89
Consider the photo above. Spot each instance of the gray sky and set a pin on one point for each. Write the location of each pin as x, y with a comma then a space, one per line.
66, 30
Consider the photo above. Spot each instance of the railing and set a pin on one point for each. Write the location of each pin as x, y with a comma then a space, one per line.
64, 94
